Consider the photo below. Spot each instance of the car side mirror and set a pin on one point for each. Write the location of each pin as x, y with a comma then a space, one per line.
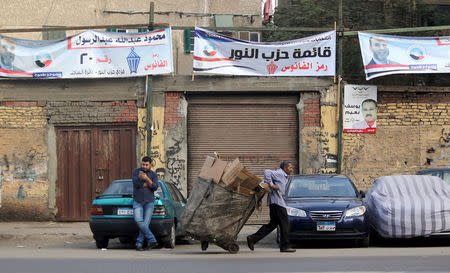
362, 194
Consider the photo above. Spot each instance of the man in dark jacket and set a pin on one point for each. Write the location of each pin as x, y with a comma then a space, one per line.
145, 183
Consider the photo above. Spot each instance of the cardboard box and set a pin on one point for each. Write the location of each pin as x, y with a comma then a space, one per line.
213, 168
236, 176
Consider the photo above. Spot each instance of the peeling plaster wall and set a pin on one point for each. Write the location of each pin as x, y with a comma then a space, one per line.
175, 139
23, 162
310, 160
328, 137
413, 133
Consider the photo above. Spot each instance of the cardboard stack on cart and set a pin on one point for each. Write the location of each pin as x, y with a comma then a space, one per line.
220, 203
231, 175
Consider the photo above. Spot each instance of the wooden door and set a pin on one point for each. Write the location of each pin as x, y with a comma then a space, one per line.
89, 158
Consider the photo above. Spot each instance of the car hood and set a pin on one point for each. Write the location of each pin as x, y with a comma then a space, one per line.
327, 204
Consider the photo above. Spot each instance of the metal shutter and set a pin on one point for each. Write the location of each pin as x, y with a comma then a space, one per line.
260, 130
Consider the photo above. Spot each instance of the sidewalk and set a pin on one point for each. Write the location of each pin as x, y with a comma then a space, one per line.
79, 231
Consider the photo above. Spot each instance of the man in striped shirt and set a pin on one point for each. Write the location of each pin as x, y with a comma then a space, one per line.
277, 181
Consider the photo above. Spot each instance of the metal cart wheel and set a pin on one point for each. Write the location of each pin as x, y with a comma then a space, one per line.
233, 248
205, 245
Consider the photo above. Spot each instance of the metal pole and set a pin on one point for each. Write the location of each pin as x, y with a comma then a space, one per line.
339, 98
151, 21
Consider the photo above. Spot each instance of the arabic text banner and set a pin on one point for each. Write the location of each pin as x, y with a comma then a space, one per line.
386, 54
90, 54
360, 109
218, 54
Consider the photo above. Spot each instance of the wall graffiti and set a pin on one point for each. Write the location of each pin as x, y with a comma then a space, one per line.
439, 154
175, 165
29, 166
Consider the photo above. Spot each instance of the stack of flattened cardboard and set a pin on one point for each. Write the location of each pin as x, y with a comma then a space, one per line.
233, 176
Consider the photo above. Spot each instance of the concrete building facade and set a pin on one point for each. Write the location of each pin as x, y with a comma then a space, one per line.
49, 128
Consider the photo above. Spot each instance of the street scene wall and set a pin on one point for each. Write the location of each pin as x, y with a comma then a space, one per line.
23, 162
413, 133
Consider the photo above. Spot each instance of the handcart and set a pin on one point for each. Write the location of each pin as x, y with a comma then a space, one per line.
215, 214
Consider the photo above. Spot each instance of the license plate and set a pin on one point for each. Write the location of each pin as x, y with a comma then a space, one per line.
326, 226
124, 211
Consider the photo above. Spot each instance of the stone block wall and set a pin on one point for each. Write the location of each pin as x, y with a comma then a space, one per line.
25, 186
310, 160
23, 161
413, 133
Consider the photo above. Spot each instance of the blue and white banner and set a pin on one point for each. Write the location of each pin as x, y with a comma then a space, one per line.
386, 54
90, 54
218, 54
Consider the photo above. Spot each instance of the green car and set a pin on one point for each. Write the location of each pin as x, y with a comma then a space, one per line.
112, 214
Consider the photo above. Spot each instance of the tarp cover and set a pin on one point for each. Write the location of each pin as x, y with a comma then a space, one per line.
404, 206
216, 214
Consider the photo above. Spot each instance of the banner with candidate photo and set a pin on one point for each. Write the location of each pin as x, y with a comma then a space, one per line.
90, 54
360, 109
215, 53
385, 54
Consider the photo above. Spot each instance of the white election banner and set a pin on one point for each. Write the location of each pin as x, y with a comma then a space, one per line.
90, 54
218, 54
385, 54
360, 109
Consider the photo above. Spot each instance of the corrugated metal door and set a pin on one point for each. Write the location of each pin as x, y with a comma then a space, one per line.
89, 158
260, 130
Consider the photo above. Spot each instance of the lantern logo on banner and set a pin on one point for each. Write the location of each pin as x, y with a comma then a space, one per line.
133, 61
272, 67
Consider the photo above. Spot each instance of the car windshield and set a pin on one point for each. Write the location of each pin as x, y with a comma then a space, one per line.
126, 188
321, 187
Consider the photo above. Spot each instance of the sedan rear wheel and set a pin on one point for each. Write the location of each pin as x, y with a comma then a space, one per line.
170, 240
101, 242
363, 242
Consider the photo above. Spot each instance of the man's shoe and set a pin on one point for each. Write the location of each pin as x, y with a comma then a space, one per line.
139, 247
151, 245
288, 250
250, 243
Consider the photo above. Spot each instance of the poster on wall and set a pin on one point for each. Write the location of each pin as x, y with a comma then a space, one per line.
386, 54
215, 53
90, 54
360, 109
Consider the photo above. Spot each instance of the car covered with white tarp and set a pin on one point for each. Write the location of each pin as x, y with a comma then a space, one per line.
406, 206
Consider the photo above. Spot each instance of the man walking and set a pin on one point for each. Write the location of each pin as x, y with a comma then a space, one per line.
278, 215
145, 183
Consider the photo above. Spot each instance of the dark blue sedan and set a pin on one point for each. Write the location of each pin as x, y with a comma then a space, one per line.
326, 207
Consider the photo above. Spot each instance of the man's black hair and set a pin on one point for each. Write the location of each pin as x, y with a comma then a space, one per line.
146, 159
369, 100
284, 164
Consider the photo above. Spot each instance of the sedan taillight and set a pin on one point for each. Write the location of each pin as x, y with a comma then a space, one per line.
159, 210
97, 210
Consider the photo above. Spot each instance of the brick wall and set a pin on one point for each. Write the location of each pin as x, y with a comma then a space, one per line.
309, 131
24, 170
23, 161
413, 133
310, 116
172, 111
91, 112
412, 109
22, 115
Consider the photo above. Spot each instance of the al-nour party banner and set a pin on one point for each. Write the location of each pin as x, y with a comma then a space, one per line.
385, 54
90, 54
215, 53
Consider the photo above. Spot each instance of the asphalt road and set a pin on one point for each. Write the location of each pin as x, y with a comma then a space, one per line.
206, 264
82, 256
